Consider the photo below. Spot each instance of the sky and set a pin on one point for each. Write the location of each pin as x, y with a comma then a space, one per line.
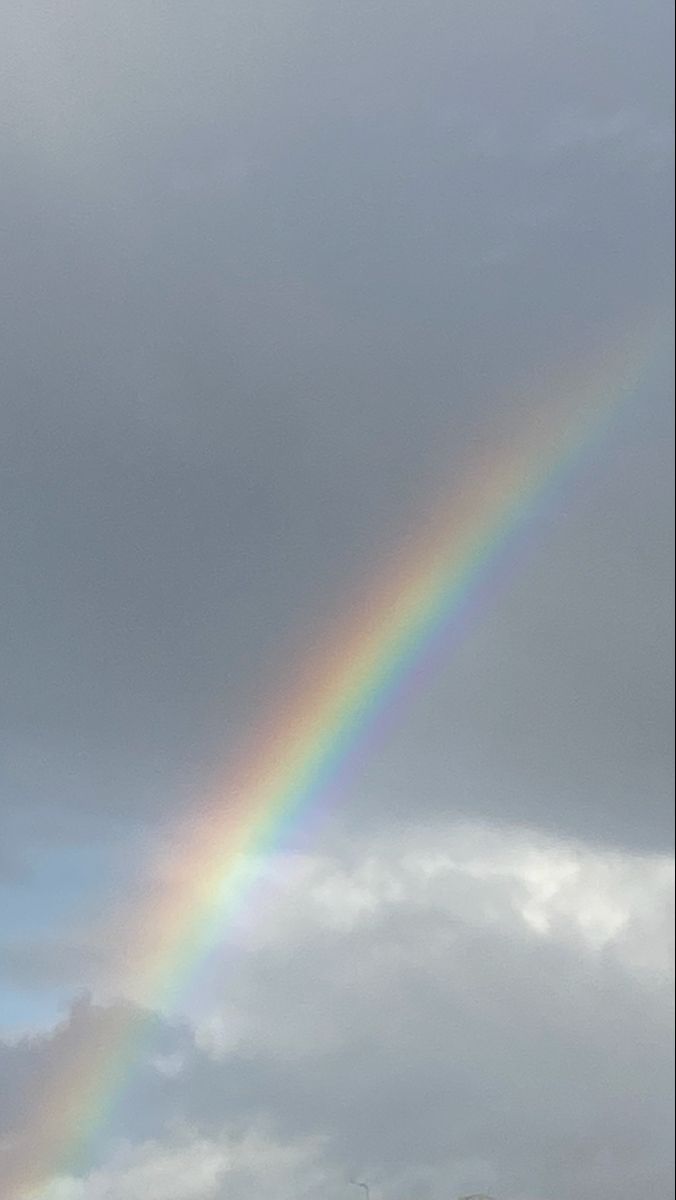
275, 278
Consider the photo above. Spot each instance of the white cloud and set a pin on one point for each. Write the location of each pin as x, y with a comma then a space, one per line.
602, 898
199, 1169
190, 1173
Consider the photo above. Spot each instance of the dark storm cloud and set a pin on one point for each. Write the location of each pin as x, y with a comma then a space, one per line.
264, 282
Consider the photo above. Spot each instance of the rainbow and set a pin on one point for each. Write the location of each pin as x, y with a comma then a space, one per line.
293, 759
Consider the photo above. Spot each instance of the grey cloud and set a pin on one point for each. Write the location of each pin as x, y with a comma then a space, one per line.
558, 705
225, 402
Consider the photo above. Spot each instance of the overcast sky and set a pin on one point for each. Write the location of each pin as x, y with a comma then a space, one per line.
272, 273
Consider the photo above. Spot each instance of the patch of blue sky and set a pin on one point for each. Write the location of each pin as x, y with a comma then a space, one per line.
60, 884
26, 1011
59, 892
